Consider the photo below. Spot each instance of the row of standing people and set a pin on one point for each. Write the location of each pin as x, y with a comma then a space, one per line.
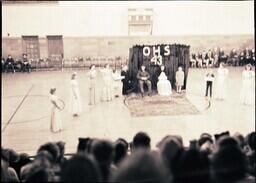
247, 90
111, 80
111, 88
113, 84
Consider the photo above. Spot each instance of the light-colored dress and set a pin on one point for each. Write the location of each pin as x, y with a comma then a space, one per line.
164, 87
222, 74
56, 124
247, 91
75, 100
92, 87
107, 85
117, 84
179, 78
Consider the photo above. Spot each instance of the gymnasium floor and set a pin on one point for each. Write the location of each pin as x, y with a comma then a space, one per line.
26, 112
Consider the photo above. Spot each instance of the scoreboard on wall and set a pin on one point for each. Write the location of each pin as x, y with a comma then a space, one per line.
156, 54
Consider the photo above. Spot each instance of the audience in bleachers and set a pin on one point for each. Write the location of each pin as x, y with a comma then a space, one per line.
214, 58
201, 59
225, 159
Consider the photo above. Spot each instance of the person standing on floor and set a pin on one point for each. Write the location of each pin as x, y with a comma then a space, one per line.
247, 90
222, 74
76, 107
92, 88
117, 84
179, 79
126, 80
56, 124
209, 78
107, 83
164, 87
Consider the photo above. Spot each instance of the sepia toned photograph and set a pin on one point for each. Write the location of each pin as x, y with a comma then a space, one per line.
128, 91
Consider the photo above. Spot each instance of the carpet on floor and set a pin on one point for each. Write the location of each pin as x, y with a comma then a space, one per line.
156, 105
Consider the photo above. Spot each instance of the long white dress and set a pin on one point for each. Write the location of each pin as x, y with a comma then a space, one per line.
76, 107
92, 88
56, 124
247, 90
222, 74
107, 85
117, 84
164, 87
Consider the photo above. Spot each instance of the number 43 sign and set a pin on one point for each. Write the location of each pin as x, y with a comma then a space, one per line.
157, 60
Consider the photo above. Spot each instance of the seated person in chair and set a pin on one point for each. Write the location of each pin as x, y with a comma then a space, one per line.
9, 64
143, 77
26, 64
164, 87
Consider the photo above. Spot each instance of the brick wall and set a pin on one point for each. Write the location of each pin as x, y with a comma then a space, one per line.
119, 46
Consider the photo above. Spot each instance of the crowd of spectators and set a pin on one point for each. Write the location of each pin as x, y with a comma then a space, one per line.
214, 57
20, 65
202, 59
24, 64
222, 158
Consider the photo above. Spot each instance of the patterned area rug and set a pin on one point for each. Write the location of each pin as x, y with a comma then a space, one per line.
156, 105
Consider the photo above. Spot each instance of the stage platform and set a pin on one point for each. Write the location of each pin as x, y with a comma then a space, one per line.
26, 112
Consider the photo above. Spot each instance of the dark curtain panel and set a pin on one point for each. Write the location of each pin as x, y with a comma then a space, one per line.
179, 56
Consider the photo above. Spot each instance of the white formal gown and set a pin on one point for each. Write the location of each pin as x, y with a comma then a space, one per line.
107, 85
164, 87
117, 84
75, 99
221, 83
247, 91
56, 124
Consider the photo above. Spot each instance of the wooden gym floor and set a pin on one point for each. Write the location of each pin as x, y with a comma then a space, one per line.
26, 112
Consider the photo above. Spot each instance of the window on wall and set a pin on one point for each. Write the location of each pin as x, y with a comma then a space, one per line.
30, 45
55, 46
140, 21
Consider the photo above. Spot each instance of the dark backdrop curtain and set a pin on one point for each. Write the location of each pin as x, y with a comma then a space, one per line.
179, 56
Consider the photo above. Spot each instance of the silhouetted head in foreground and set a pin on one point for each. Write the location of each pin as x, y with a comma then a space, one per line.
192, 167
141, 140
229, 164
120, 150
80, 168
142, 166
103, 152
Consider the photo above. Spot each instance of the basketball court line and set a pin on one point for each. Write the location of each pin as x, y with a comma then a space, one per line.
16, 110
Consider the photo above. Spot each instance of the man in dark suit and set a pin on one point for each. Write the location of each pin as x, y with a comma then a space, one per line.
126, 80
26, 65
9, 64
143, 77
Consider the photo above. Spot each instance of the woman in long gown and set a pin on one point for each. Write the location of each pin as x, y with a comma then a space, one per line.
117, 83
107, 83
179, 79
163, 85
92, 76
56, 124
247, 90
76, 107
222, 74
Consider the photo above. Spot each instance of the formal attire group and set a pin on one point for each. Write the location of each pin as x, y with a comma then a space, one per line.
114, 84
